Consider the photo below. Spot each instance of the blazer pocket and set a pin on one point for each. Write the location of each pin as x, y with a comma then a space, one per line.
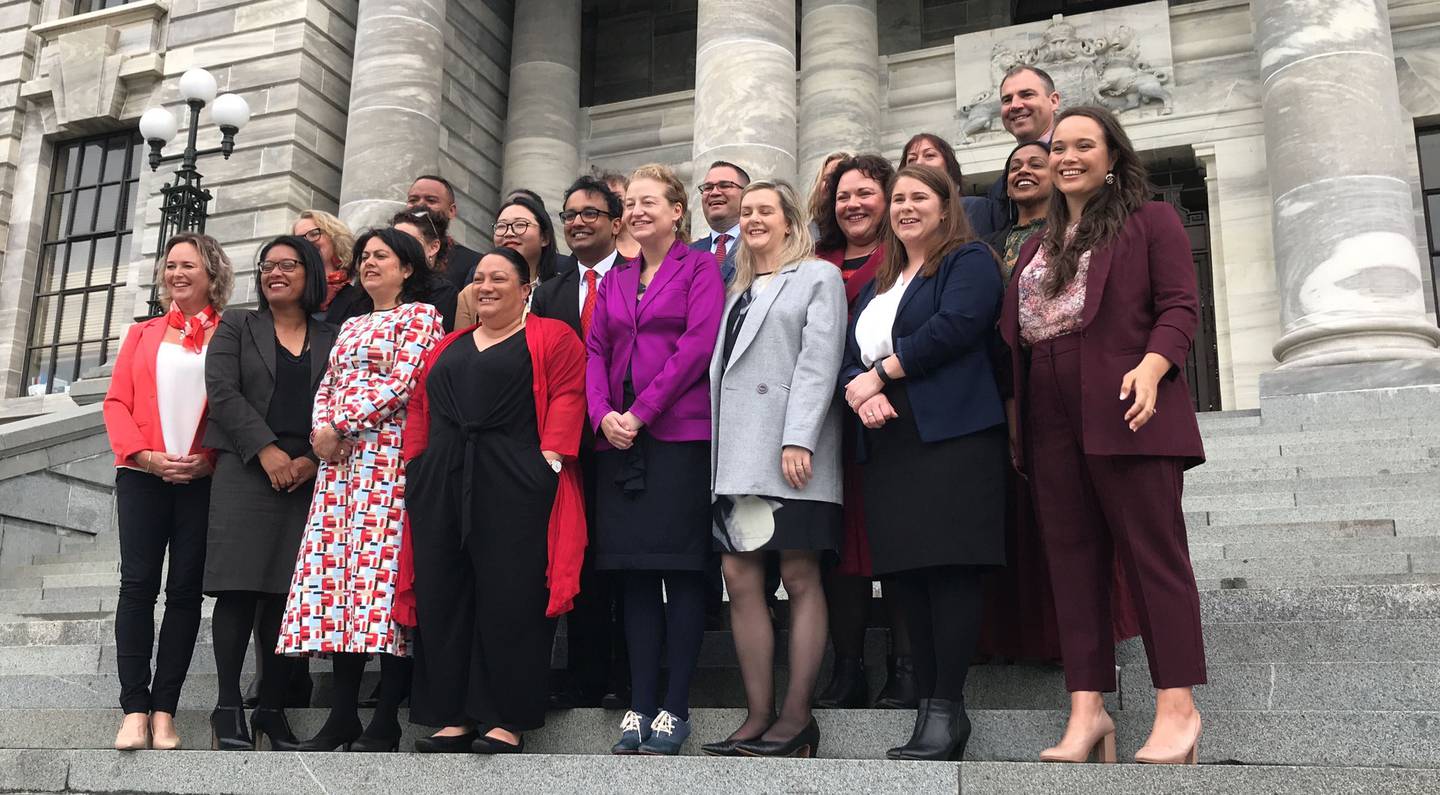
670, 302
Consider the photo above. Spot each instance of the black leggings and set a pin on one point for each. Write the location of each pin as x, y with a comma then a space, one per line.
230, 628
153, 517
676, 620
942, 608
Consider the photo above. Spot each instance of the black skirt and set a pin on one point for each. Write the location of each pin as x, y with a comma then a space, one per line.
933, 503
254, 548
747, 523
652, 507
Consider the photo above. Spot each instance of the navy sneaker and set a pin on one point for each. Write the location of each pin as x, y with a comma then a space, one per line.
667, 733
634, 731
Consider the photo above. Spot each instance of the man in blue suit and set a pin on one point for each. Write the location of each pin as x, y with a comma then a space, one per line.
720, 199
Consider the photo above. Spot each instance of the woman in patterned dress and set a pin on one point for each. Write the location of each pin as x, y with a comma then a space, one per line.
342, 593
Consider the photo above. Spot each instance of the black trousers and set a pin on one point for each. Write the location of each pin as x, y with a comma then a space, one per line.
155, 516
942, 609
595, 627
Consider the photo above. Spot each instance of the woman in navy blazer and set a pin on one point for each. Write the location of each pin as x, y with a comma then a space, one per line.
648, 393
918, 376
1103, 303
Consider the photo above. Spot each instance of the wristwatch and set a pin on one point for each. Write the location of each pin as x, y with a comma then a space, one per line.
880, 372
554, 465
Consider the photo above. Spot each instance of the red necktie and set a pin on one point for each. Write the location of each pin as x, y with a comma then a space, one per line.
720, 241
588, 310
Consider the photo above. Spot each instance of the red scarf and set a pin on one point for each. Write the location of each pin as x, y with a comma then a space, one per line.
335, 281
192, 330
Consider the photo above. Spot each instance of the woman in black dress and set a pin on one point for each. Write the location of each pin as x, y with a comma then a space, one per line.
918, 376
493, 425
261, 373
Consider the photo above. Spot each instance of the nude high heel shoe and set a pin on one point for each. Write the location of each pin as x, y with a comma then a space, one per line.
1185, 753
1099, 747
134, 733
165, 739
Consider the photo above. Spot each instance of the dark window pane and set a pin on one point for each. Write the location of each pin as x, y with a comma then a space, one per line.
84, 221
127, 216
1429, 144
1432, 213
57, 217
109, 211
48, 277
77, 264
96, 315
103, 263
70, 309
65, 362
90, 357
90, 163
122, 258
37, 368
115, 157
72, 165
42, 319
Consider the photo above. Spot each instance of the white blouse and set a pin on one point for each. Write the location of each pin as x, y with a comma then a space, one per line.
180, 393
873, 328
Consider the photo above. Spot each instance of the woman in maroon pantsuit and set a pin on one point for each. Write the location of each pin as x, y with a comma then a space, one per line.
1104, 304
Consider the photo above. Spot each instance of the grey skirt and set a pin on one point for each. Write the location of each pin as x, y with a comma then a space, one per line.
255, 531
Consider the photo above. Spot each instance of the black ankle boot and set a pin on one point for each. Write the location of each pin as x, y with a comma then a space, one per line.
337, 737
940, 735
848, 688
227, 730
271, 729
900, 690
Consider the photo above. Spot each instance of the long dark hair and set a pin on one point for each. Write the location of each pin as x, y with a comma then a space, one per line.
434, 226
416, 286
516, 260
1107, 211
545, 269
314, 293
954, 230
947, 153
871, 165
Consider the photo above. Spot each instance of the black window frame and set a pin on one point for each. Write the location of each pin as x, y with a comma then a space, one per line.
62, 242
1430, 195
87, 6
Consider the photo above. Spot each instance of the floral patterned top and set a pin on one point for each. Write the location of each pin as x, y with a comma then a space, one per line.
1015, 239
1043, 318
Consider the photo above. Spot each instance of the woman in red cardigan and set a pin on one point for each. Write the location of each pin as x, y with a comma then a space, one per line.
496, 515
1099, 317
155, 417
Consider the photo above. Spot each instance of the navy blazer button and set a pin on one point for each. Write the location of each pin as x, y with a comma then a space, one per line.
762, 389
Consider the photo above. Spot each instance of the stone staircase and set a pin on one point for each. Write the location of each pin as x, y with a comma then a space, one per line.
1315, 533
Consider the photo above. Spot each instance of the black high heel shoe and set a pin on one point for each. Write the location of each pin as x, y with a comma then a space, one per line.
942, 730
848, 688
901, 691
445, 744
227, 730
804, 745
485, 744
271, 728
365, 744
333, 740
727, 746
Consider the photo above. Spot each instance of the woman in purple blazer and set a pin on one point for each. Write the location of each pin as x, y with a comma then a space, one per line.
656, 321
1099, 317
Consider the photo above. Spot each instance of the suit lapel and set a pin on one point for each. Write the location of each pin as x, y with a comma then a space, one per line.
261, 329
628, 283
910, 290
758, 309
675, 259
569, 296
1095, 278
322, 339
151, 337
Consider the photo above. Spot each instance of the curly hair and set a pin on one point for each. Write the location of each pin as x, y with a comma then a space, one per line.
815, 204
341, 238
433, 225
1107, 211
212, 256
408, 251
674, 193
871, 165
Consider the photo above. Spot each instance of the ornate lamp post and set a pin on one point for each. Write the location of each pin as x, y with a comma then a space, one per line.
185, 202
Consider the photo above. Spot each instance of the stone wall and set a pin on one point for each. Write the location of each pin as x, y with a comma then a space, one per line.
477, 64
57, 482
18, 50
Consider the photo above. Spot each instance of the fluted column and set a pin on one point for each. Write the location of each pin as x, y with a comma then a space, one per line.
1345, 256
745, 88
542, 142
839, 81
393, 130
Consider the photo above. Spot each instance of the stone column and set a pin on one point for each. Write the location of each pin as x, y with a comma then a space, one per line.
839, 81
393, 130
542, 140
1347, 269
745, 89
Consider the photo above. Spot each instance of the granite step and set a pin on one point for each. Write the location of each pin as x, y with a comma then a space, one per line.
1258, 546
1278, 737
1271, 582
1324, 565
1250, 471
1007, 778
1298, 531
78, 555
1290, 483
1377, 458
1427, 509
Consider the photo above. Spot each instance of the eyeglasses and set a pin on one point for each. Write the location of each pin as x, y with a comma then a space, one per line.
425, 214
723, 185
314, 235
516, 228
589, 215
285, 265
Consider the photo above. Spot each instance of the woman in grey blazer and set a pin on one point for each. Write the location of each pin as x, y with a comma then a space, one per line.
775, 458
260, 375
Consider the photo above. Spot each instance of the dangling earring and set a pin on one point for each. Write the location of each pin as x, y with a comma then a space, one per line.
1110, 178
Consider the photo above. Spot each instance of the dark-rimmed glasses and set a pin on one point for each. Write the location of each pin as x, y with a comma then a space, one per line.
285, 265
723, 185
589, 215
516, 228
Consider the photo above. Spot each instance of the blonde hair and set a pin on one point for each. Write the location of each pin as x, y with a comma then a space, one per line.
341, 238
674, 193
798, 245
818, 195
212, 256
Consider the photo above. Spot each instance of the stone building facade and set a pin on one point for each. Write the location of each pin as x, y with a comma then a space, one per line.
1285, 131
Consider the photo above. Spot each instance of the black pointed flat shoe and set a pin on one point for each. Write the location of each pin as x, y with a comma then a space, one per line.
804, 745
445, 744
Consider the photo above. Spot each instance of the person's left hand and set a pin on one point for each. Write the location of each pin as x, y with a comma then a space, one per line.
877, 411
1144, 382
302, 471
861, 388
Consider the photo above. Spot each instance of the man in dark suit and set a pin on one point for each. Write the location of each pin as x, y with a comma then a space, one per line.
596, 669
720, 200
436, 193
1028, 103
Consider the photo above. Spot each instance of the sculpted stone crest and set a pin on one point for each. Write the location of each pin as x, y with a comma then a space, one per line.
1098, 64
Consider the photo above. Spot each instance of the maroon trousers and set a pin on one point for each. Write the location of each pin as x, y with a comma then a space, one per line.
1095, 510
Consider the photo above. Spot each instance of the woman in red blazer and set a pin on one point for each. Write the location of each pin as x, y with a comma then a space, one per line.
495, 513
155, 417
1099, 318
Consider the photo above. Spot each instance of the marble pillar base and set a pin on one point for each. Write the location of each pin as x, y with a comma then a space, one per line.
1355, 377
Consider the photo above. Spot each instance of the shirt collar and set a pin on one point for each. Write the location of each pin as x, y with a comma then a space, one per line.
733, 232
602, 267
